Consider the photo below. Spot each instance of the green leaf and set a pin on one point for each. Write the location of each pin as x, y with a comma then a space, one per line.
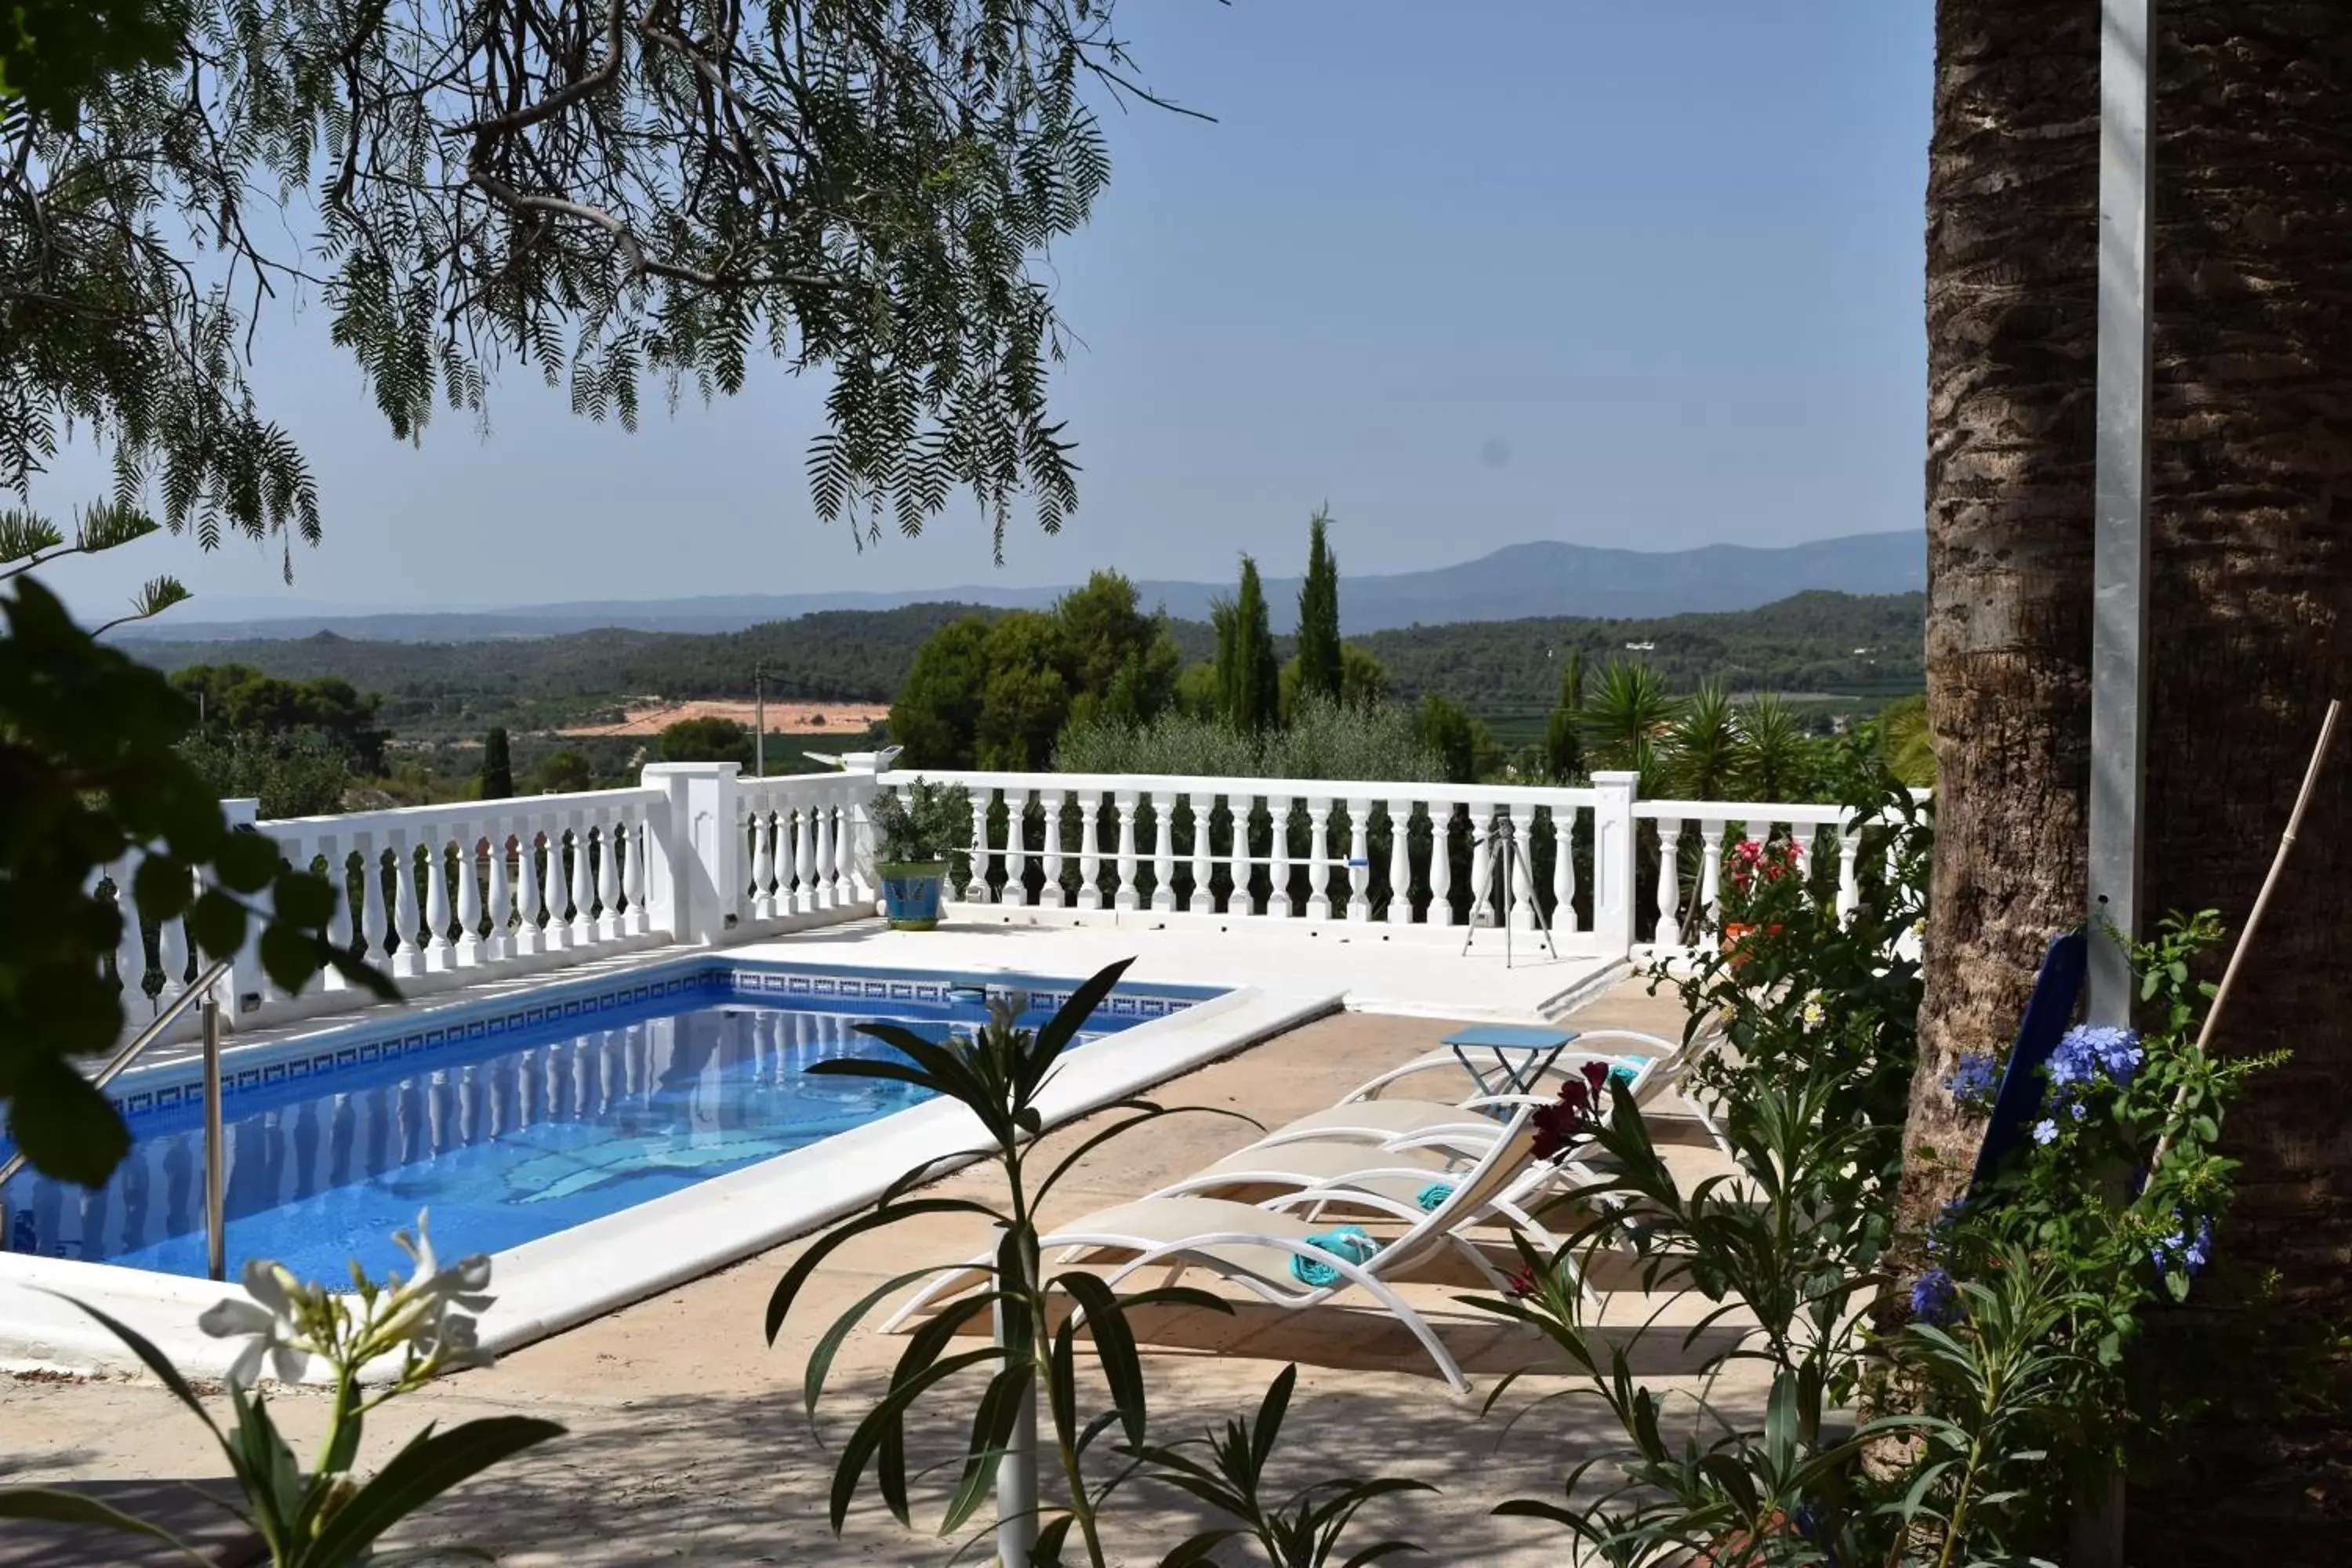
780, 1300
1070, 1017
63, 1127
216, 923
1114, 1345
430, 1465
1270, 1412
1009, 1393
868, 1436
292, 958
1196, 1550
163, 886
49, 1505
247, 862
154, 1360
300, 899
829, 1343
156, 595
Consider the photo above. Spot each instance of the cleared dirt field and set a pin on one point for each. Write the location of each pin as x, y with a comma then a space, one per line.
783, 718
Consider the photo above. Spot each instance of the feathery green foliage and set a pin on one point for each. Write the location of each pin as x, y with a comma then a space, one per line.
1626, 718
1564, 731
1320, 662
609, 195
706, 739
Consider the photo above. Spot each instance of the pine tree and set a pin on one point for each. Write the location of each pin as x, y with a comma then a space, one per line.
1564, 737
1249, 680
498, 766
1319, 659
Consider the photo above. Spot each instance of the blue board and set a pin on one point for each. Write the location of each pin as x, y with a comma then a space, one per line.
2047, 1015
1510, 1038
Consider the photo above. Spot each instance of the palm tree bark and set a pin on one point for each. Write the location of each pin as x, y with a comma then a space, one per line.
2251, 588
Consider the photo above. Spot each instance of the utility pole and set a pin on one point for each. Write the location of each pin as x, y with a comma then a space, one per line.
758, 718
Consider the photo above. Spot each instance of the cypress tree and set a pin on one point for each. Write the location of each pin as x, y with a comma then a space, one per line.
1564, 737
498, 767
1249, 681
1319, 659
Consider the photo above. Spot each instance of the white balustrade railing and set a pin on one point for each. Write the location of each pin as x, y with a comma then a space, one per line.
444, 895
1344, 852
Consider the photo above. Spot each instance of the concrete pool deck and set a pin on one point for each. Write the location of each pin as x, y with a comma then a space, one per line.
688, 1443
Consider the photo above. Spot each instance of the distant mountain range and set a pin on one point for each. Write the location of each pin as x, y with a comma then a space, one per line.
1542, 578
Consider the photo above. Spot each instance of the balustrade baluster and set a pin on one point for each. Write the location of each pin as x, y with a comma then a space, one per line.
1052, 894
558, 933
1124, 898
469, 899
827, 894
1707, 910
1440, 863
1163, 851
438, 952
340, 935
1849, 884
583, 882
500, 944
171, 948
131, 947
1399, 909
803, 861
1320, 869
978, 891
764, 865
1200, 898
373, 924
1482, 864
1241, 811
1089, 851
409, 957
608, 876
1670, 838
1016, 847
1360, 860
633, 875
532, 868
1525, 910
1277, 811
1563, 870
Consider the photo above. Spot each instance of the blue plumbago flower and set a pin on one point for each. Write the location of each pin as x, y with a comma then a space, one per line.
2045, 1132
2191, 1253
2089, 1052
1810, 1519
1939, 1230
1931, 1297
2074, 1109
1973, 1079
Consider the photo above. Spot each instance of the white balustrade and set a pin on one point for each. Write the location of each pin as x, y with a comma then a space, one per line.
1125, 898
1163, 850
1359, 859
1051, 890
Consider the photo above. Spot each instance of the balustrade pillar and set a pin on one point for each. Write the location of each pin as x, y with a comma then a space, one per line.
1016, 847
608, 878
1089, 851
1399, 909
1320, 869
633, 841
470, 899
1615, 852
1164, 852
1482, 862
1125, 801
1278, 812
1563, 870
500, 945
531, 893
1359, 859
828, 893
803, 875
1708, 912
409, 960
764, 865
130, 948
978, 891
374, 925
1200, 898
1052, 894
1440, 863
1849, 883
1670, 838
1525, 907
438, 957
558, 934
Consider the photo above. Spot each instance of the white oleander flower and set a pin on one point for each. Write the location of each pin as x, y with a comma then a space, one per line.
275, 1317
1813, 1014
431, 1310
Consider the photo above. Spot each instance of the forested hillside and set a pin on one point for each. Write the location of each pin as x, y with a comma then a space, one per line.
1806, 644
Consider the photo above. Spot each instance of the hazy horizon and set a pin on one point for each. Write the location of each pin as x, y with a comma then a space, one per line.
1635, 280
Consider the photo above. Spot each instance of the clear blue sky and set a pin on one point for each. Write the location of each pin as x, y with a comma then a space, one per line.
1645, 275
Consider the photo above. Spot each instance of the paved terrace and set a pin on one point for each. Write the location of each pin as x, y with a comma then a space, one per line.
686, 1440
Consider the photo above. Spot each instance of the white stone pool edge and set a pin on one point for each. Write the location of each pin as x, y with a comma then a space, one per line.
546, 1286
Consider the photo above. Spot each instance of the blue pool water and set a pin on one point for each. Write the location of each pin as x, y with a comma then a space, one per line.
504, 1140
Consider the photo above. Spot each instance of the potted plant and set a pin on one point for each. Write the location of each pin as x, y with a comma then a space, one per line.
1751, 869
915, 836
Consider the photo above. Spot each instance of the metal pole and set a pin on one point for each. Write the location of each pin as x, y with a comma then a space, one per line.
2120, 538
1016, 1479
215, 1191
759, 720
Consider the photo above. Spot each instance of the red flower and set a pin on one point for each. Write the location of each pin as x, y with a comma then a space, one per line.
1574, 1116
1520, 1285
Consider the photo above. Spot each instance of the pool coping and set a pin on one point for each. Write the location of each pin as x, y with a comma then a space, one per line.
557, 1281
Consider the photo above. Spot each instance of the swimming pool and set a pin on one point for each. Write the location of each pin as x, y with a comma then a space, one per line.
509, 1128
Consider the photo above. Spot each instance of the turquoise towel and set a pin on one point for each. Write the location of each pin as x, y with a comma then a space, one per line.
1352, 1242
1433, 1197
1625, 1070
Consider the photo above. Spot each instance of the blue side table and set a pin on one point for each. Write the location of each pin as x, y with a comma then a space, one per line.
1520, 1055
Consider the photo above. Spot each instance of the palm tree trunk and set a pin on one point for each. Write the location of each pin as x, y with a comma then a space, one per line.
2252, 445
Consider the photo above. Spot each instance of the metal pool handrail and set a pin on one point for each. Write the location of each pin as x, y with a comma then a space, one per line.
215, 1237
